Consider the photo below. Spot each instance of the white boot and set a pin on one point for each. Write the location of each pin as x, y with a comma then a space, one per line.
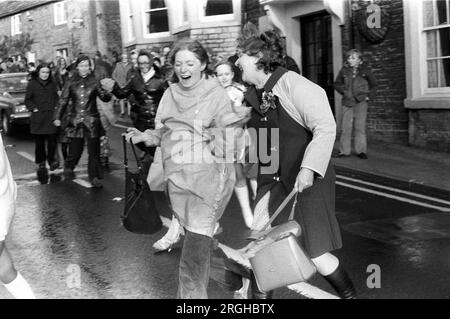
20, 288
172, 237
242, 195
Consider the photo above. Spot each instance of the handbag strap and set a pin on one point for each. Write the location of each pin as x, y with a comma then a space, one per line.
125, 155
282, 206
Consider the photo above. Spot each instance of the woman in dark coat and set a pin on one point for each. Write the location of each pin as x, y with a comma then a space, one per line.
299, 111
41, 100
83, 119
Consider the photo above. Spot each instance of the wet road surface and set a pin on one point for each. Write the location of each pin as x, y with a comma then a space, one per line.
67, 240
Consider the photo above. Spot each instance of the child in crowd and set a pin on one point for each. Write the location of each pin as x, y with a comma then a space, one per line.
225, 75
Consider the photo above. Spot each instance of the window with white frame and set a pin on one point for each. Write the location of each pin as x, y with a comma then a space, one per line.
156, 17
216, 10
181, 13
436, 27
218, 7
62, 53
60, 9
16, 24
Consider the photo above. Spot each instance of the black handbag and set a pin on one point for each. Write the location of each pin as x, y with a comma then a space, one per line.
140, 214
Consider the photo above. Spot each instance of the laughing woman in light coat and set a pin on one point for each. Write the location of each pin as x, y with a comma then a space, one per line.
199, 183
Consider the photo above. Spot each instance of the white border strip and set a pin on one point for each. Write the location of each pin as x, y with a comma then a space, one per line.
28, 156
402, 199
395, 190
120, 126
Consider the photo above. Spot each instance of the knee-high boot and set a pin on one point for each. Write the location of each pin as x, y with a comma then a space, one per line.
256, 293
342, 283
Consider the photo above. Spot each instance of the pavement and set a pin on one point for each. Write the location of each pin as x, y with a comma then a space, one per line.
417, 169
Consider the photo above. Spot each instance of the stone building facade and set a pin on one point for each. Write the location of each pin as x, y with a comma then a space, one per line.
64, 28
216, 23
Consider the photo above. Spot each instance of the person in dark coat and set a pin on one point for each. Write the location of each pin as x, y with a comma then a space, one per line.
147, 85
300, 154
83, 119
41, 100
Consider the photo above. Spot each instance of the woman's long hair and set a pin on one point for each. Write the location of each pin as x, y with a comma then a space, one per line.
35, 74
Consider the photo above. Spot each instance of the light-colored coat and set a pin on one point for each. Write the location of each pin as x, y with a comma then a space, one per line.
8, 193
199, 185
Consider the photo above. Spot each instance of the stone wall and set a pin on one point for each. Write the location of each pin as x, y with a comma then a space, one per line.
99, 27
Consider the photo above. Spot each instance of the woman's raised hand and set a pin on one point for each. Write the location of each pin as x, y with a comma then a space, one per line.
107, 84
134, 136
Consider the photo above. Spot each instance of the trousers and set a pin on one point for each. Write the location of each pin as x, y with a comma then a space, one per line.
354, 116
194, 269
45, 148
76, 150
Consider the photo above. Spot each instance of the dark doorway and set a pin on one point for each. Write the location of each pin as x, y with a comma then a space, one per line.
317, 52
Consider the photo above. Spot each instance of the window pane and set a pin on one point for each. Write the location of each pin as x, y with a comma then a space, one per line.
428, 17
157, 4
444, 66
157, 21
445, 42
216, 7
432, 44
432, 74
441, 10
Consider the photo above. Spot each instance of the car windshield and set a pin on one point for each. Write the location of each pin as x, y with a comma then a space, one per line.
14, 83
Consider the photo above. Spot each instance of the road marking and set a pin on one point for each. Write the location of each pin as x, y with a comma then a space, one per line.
395, 190
120, 126
399, 198
82, 182
56, 172
29, 184
28, 156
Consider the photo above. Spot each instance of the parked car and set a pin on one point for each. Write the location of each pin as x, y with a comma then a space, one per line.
13, 111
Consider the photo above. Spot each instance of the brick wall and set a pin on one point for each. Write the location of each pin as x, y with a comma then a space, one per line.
220, 41
430, 129
387, 118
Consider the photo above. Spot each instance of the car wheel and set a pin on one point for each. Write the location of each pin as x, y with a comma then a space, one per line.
6, 125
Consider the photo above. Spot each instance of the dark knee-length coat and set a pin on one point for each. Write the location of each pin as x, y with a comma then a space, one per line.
41, 99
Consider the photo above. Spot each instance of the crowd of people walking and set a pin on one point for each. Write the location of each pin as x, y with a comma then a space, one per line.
181, 92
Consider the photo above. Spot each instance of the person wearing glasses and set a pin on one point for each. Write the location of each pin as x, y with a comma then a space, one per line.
147, 86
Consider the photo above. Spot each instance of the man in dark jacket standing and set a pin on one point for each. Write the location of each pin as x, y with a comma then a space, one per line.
358, 86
